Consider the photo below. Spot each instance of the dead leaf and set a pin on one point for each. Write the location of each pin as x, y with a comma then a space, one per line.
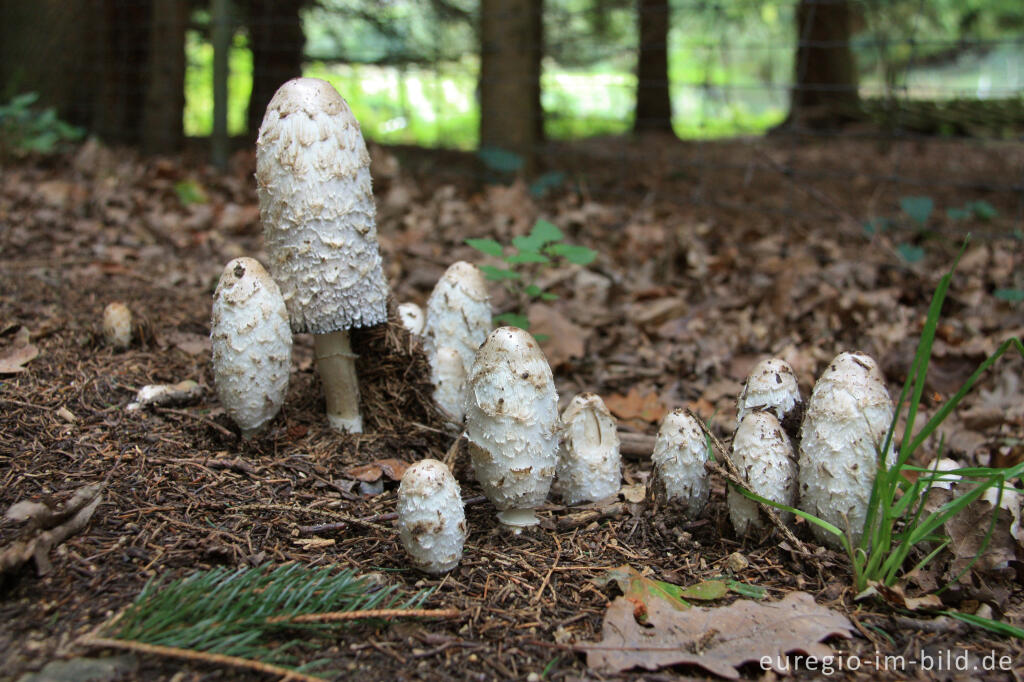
967, 531
642, 591
646, 408
14, 358
314, 543
634, 493
896, 596
368, 473
193, 344
563, 340
717, 639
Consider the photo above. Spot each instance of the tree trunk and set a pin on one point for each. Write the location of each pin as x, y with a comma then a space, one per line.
277, 41
165, 88
122, 70
653, 102
509, 87
825, 90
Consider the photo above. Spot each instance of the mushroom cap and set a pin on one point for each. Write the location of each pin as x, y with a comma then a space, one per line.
252, 344
449, 382
431, 517
772, 385
316, 205
458, 313
117, 325
412, 317
847, 417
512, 420
680, 451
762, 452
589, 463
938, 469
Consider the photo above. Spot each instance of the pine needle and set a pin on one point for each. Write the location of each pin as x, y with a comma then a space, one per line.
271, 620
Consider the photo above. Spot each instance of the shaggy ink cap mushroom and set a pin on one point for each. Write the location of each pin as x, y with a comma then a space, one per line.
680, 451
458, 319
431, 517
412, 318
762, 452
589, 463
319, 226
117, 325
252, 345
847, 417
772, 385
512, 424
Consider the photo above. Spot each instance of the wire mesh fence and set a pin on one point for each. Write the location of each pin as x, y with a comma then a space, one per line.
799, 89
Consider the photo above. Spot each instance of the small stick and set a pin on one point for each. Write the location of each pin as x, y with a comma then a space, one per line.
338, 616
206, 420
200, 657
322, 512
730, 472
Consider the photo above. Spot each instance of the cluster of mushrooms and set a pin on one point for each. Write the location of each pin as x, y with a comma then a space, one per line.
325, 277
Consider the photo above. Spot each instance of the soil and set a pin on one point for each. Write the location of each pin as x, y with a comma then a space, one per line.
712, 256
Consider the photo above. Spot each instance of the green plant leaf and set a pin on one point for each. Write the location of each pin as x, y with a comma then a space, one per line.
548, 296
747, 590
528, 243
498, 274
527, 257
546, 182
512, 320
487, 246
910, 253
918, 208
500, 160
541, 338
638, 588
958, 213
1009, 295
546, 231
578, 255
533, 291
982, 210
190, 192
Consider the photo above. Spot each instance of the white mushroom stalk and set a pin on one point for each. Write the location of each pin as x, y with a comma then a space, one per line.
458, 318
252, 345
772, 386
762, 452
512, 424
680, 451
847, 417
589, 463
319, 225
431, 517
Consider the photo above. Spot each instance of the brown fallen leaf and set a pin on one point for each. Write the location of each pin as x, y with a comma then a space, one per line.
967, 531
563, 340
646, 408
716, 639
369, 473
14, 358
896, 597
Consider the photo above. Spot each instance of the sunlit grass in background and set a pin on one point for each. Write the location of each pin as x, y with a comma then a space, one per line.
198, 117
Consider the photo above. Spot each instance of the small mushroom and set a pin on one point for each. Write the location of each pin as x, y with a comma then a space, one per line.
764, 456
680, 451
772, 386
319, 226
512, 424
412, 317
589, 464
431, 517
942, 479
847, 417
117, 325
458, 317
252, 345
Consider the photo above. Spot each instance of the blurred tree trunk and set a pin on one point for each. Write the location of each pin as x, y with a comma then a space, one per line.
824, 94
277, 41
121, 71
510, 59
653, 103
162, 131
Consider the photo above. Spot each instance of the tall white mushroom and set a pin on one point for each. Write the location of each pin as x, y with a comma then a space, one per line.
252, 345
512, 424
319, 225
847, 417
589, 464
458, 319
680, 451
764, 456
772, 386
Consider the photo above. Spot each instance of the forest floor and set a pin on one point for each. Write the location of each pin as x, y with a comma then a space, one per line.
710, 258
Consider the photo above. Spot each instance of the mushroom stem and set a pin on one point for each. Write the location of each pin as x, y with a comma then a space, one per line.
337, 366
517, 519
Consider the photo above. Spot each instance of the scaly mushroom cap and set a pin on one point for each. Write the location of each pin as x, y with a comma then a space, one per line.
589, 464
847, 417
252, 344
512, 420
411, 317
431, 518
762, 452
458, 313
772, 386
450, 382
316, 205
680, 451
